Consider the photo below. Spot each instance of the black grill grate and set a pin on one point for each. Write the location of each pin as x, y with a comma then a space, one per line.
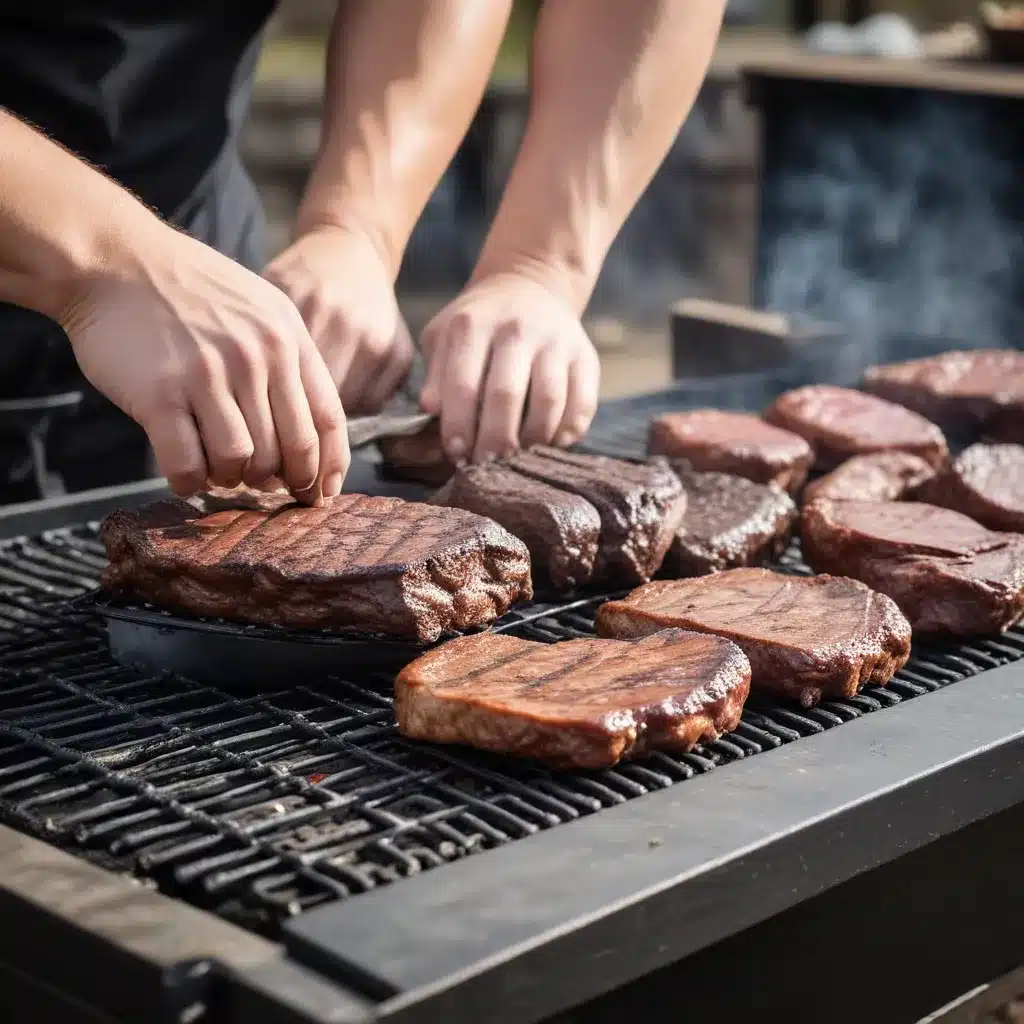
261, 805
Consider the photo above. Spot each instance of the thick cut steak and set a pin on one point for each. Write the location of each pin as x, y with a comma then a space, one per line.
964, 392
986, 482
561, 529
806, 637
418, 458
576, 704
733, 442
839, 423
729, 522
640, 505
884, 476
376, 565
949, 574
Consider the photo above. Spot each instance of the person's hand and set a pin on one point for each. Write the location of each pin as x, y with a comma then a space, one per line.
214, 363
344, 290
506, 346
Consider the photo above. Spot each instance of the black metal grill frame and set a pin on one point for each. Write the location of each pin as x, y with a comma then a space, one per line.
368, 943
259, 805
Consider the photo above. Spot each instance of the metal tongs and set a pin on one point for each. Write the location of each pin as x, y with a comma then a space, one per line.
364, 430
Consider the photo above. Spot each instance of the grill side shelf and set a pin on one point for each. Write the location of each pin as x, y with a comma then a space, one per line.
574, 912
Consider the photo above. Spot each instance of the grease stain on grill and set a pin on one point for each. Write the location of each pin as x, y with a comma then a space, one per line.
261, 805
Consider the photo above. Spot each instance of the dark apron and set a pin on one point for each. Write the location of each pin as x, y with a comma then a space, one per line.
173, 141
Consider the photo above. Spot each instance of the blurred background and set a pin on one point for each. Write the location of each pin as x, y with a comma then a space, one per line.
696, 232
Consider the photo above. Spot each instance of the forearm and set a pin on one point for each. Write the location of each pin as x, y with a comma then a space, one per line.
61, 222
612, 83
403, 82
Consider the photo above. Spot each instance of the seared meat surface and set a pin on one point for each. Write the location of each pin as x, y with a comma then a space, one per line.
418, 458
640, 506
806, 637
839, 423
733, 442
729, 522
948, 574
883, 476
968, 392
986, 482
561, 529
576, 704
376, 565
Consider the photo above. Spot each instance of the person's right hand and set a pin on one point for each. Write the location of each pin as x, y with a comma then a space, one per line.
215, 364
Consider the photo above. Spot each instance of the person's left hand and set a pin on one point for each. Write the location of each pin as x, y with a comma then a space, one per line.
507, 344
344, 290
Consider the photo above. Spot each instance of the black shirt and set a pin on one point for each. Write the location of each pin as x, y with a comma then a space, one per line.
156, 94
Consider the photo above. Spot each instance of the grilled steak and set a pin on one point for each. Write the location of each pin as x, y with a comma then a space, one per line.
733, 442
839, 423
418, 458
577, 704
561, 529
641, 506
964, 392
729, 522
986, 482
806, 637
377, 565
884, 476
948, 574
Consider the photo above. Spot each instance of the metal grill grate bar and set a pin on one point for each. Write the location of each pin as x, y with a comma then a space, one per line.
262, 805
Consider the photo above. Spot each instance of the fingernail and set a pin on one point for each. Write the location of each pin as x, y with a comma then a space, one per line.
563, 439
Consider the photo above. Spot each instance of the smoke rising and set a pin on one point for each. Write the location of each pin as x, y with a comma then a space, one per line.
899, 222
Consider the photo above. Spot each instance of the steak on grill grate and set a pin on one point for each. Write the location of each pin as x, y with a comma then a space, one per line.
807, 637
948, 574
578, 703
419, 458
640, 505
839, 423
376, 565
961, 391
729, 522
560, 529
986, 482
733, 442
882, 476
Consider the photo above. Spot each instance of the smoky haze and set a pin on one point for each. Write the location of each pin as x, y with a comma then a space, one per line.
897, 223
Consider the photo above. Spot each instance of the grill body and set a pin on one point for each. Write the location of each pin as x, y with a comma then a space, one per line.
214, 854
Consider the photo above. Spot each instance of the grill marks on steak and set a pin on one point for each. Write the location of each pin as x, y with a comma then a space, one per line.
964, 392
561, 530
948, 574
806, 637
376, 565
733, 442
640, 506
576, 704
883, 476
986, 482
839, 423
729, 522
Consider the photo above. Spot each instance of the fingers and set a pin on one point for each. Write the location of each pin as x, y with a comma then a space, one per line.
297, 437
224, 432
549, 388
265, 462
464, 351
581, 401
504, 393
328, 418
174, 438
